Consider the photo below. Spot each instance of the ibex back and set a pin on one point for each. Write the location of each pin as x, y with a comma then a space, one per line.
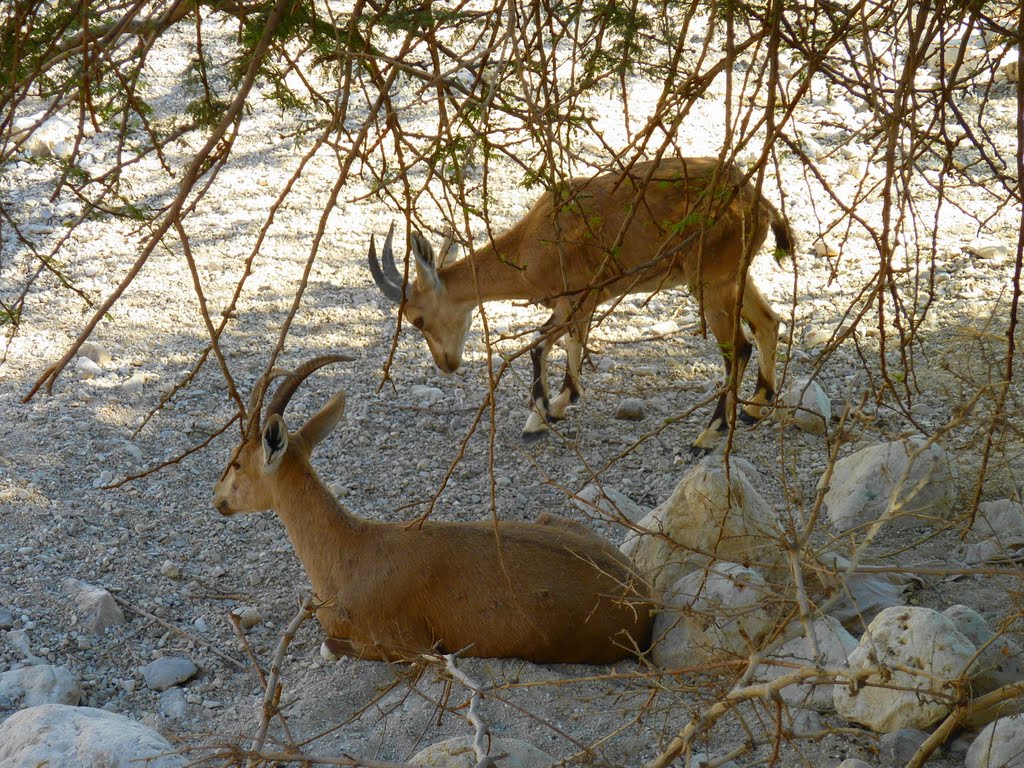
688, 222
546, 593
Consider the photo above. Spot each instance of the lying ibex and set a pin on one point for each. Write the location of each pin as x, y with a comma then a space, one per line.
678, 221
546, 593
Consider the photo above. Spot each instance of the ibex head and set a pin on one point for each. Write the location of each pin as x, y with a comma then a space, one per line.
252, 476
443, 322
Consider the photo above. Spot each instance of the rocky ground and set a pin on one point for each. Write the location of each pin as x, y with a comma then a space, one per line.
177, 570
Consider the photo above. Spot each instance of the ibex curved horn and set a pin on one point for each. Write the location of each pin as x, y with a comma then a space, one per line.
259, 389
291, 384
385, 273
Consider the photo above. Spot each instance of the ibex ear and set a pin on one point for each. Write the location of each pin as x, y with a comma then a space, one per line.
449, 249
275, 441
423, 252
320, 425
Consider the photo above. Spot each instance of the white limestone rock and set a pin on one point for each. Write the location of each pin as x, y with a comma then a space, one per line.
87, 369
997, 534
61, 735
168, 671
726, 610
987, 248
458, 753
858, 597
609, 503
1000, 745
834, 643
1000, 663
869, 485
97, 609
46, 133
95, 352
698, 518
804, 403
900, 639
39, 684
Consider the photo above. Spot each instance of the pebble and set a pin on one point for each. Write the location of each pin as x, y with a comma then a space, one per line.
168, 671
248, 616
173, 704
665, 327
424, 392
18, 640
823, 248
630, 409
95, 352
87, 369
134, 383
987, 248
817, 337
201, 625
170, 570
6, 618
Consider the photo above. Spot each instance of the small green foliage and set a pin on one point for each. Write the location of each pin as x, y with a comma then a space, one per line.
206, 113
10, 315
694, 219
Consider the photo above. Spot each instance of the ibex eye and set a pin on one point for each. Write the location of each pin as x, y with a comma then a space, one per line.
418, 322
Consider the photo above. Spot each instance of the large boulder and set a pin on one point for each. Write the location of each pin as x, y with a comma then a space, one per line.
882, 482
458, 753
40, 684
1000, 661
712, 514
899, 640
724, 611
61, 735
1000, 745
834, 645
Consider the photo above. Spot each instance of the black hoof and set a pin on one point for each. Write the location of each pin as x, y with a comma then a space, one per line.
699, 453
534, 437
746, 418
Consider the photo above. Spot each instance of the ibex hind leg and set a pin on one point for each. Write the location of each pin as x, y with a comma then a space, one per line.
571, 388
719, 311
537, 422
764, 322
543, 410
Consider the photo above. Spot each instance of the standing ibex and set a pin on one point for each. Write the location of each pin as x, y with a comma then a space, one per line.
678, 221
547, 593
